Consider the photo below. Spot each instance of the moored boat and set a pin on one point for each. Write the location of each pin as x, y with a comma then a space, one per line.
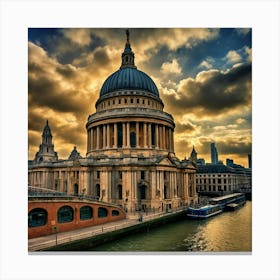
234, 206
223, 201
203, 212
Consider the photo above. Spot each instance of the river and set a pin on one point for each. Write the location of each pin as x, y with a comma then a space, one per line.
226, 232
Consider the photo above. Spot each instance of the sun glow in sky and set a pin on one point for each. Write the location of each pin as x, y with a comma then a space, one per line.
203, 76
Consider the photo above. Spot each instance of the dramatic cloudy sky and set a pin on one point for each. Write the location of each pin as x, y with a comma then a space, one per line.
203, 76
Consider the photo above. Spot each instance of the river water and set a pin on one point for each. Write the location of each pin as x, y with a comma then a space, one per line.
226, 232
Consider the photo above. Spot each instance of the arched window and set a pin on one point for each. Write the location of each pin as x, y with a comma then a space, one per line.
115, 213
102, 212
37, 217
86, 213
65, 214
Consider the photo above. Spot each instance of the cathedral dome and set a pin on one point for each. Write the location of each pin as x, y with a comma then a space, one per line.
129, 78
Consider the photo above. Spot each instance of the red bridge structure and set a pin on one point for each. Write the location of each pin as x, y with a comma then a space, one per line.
51, 212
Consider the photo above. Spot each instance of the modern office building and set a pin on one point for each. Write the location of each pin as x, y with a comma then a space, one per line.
214, 154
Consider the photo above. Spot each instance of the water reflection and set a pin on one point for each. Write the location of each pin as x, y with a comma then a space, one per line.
227, 232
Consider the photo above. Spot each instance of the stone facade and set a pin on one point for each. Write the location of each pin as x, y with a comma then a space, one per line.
219, 179
130, 156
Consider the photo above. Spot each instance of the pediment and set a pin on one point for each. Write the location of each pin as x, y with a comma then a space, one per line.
166, 161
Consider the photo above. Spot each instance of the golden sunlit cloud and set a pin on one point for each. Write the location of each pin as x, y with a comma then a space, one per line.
233, 57
171, 67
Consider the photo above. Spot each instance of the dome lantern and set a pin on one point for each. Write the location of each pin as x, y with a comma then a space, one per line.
128, 54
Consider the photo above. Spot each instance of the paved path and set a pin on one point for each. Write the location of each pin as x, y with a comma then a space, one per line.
43, 242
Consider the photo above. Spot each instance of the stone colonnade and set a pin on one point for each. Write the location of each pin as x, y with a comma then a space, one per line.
130, 135
161, 185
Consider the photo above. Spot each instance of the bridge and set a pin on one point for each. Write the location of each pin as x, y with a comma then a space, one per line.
50, 212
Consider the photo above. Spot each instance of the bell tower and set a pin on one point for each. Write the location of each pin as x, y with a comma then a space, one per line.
46, 149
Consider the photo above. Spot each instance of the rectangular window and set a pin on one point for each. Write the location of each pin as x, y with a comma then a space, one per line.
142, 175
98, 174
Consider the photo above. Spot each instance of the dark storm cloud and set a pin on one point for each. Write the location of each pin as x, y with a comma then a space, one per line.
45, 92
71, 135
36, 121
66, 71
236, 146
101, 57
184, 127
233, 147
183, 147
213, 91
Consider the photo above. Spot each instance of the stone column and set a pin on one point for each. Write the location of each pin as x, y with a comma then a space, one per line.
128, 134
108, 135
149, 135
109, 188
124, 135
145, 135
157, 137
97, 137
163, 137
137, 135
172, 139
91, 139
104, 137
86, 182
160, 136
88, 141
115, 135
94, 138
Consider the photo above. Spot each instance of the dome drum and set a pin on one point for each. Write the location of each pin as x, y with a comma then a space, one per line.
129, 94
147, 114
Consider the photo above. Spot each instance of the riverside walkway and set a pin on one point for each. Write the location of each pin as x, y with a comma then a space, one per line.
44, 242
